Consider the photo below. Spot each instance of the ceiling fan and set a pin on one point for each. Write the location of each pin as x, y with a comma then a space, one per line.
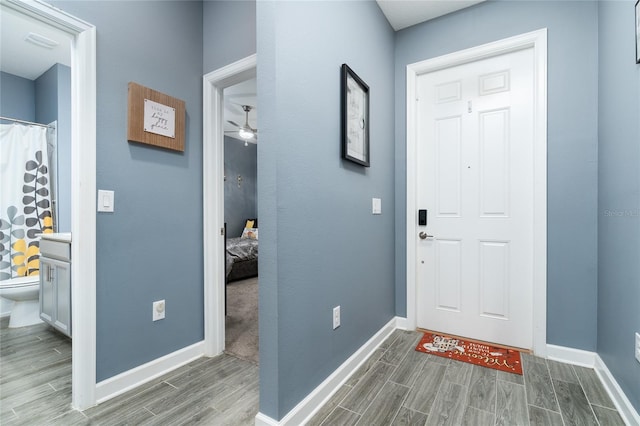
246, 132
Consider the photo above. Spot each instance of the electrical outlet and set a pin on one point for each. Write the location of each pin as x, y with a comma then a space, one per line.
336, 317
638, 347
158, 310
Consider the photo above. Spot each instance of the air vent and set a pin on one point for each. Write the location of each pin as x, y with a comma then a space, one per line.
40, 40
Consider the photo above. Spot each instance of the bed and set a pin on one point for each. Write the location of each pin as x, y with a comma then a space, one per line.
242, 255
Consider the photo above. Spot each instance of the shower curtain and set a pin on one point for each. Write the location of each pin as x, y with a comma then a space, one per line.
25, 200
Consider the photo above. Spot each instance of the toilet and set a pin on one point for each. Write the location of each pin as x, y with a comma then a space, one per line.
24, 293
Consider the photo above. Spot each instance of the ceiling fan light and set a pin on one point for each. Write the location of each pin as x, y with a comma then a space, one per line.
245, 133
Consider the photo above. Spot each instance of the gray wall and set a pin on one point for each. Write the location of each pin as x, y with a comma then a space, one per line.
229, 32
53, 102
240, 201
150, 248
619, 196
17, 97
572, 144
320, 245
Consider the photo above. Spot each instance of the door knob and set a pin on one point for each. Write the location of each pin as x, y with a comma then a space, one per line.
424, 235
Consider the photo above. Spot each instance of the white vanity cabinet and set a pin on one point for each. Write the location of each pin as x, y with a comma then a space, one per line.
55, 281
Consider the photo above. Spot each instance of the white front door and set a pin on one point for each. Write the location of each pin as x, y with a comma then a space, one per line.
475, 177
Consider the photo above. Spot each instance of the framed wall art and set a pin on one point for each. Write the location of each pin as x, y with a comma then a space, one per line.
155, 118
355, 117
638, 32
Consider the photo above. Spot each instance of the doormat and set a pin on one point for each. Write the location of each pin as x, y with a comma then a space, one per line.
473, 352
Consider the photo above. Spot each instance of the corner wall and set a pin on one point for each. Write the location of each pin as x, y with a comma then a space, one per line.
619, 196
320, 245
229, 32
18, 97
53, 103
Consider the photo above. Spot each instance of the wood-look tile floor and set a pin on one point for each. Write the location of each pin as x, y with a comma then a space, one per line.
35, 388
400, 386
395, 386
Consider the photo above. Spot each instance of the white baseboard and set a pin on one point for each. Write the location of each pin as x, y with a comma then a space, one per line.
302, 412
620, 400
130, 379
593, 360
571, 356
402, 323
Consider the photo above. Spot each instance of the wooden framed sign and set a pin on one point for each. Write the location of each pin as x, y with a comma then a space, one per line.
155, 118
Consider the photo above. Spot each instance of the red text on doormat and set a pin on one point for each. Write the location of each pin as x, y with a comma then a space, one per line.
477, 353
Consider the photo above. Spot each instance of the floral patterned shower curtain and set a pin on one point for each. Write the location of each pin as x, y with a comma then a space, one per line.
25, 201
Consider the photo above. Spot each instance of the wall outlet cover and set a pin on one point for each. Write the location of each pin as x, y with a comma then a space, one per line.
637, 347
336, 317
158, 310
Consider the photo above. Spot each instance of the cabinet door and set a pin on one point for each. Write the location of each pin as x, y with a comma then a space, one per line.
62, 297
46, 290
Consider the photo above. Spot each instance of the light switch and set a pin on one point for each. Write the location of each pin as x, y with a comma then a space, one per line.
376, 206
105, 200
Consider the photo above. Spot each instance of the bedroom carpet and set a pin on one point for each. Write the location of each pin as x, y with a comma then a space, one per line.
242, 319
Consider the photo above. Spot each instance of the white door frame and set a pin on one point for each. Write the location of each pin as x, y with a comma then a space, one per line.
538, 41
83, 192
213, 196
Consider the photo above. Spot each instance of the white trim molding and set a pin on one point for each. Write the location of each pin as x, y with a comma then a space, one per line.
626, 410
310, 405
213, 195
83, 191
537, 40
123, 382
571, 356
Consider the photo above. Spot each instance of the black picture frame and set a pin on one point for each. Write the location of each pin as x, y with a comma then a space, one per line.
638, 32
355, 117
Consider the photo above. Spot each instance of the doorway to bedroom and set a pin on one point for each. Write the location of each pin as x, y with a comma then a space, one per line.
216, 122
241, 221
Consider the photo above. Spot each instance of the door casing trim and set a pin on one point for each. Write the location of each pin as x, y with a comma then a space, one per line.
537, 40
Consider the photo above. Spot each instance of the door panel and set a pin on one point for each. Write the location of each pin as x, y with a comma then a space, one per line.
475, 156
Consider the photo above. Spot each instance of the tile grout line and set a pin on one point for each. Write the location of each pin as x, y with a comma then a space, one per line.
555, 393
376, 395
495, 403
351, 390
526, 396
395, 368
337, 405
585, 395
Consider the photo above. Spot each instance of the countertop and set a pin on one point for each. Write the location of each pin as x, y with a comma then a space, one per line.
64, 237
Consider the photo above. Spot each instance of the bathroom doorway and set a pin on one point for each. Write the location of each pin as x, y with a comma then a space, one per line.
79, 36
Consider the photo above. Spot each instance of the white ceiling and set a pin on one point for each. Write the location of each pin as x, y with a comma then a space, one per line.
405, 13
24, 59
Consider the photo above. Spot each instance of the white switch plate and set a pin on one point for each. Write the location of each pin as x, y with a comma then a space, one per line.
105, 200
336, 317
638, 347
376, 206
158, 310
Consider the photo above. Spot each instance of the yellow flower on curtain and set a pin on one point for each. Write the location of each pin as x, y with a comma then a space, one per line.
47, 225
20, 246
19, 258
33, 262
